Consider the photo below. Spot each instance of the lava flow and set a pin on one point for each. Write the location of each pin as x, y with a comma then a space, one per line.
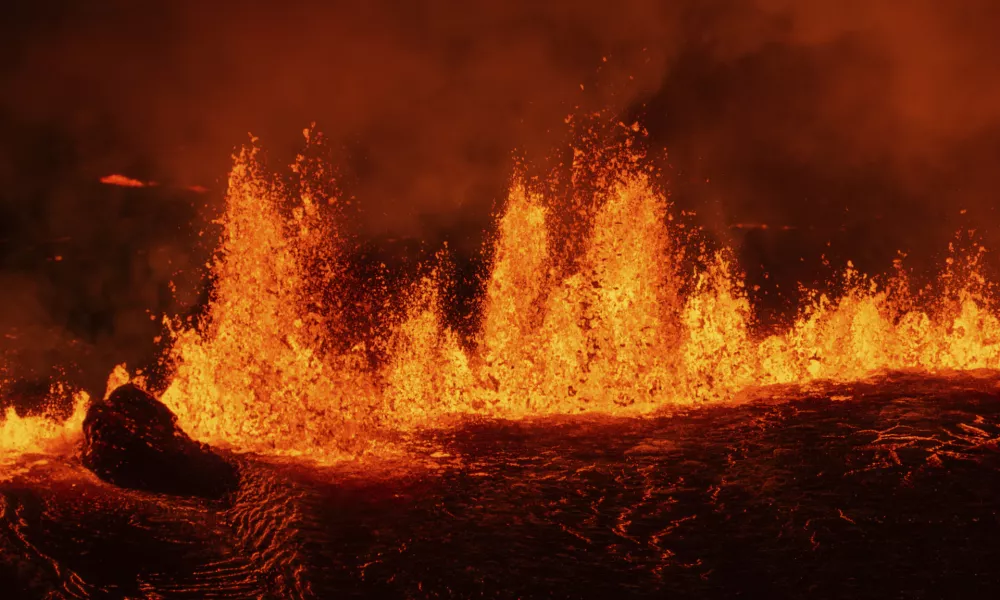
641, 320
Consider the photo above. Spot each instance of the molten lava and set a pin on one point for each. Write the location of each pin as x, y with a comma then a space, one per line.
259, 372
40, 434
629, 326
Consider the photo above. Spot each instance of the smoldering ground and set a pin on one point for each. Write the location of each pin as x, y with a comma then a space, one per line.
869, 126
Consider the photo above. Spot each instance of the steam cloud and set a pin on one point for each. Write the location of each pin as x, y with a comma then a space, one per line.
867, 123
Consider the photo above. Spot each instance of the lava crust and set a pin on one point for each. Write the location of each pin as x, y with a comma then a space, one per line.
132, 440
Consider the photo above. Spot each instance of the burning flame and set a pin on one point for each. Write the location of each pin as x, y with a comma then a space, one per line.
628, 327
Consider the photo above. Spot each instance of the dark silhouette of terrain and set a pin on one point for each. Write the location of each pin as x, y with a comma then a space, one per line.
881, 489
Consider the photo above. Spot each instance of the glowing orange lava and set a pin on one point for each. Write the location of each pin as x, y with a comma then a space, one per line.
627, 329
40, 434
260, 372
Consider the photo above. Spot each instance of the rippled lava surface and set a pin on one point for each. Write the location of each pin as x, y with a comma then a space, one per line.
887, 489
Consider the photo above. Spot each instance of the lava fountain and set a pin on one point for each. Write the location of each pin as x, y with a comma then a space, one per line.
641, 320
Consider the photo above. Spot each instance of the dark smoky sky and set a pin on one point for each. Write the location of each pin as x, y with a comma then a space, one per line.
866, 124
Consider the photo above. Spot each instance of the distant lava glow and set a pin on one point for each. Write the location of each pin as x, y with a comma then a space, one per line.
123, 181
640, 321
130, 182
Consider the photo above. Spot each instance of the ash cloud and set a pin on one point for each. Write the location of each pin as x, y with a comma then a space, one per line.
866, 124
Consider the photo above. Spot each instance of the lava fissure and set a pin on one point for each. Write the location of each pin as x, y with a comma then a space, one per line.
642, 317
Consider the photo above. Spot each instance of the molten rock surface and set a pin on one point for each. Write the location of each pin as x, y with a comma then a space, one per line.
881, 489
132, 440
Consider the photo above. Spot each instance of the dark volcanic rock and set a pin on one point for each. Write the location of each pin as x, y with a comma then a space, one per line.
132, 440
882, 489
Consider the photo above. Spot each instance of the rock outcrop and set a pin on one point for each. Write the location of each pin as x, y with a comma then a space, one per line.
132, 440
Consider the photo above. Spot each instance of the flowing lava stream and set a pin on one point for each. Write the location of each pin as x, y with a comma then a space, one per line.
632, 326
